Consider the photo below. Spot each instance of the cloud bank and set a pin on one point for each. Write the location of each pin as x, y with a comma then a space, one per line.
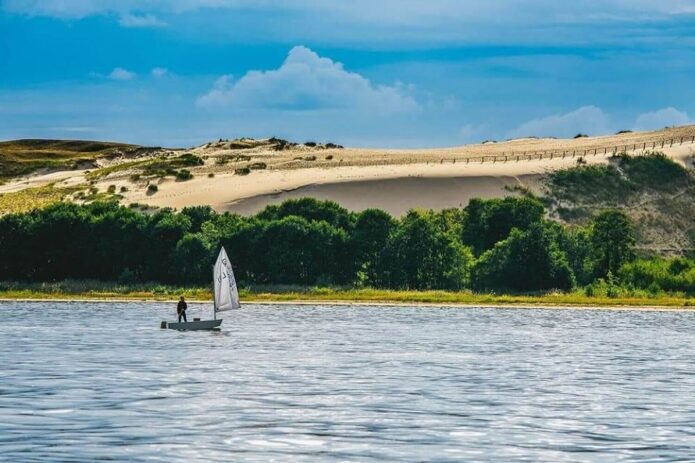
590, 120
305, 81
665, 117
121, 74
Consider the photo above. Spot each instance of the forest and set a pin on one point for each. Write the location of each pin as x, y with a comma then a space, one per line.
499, 245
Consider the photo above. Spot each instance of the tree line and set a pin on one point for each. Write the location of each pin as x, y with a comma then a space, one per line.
502, 245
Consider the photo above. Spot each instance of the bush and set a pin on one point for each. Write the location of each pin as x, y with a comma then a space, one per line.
183, 175
257, 166
329, 157
152, 188
242, 171
111, 189
124, 189
581, 135
581, 181
310, 144
654, 170
211, 174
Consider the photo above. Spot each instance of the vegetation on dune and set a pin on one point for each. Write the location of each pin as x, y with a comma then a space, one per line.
657, 193
494, 246
623, 177
21, 157
32, 198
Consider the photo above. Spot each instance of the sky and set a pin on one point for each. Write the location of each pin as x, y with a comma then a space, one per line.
377, 73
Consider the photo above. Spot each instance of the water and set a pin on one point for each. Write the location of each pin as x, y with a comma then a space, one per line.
86, 382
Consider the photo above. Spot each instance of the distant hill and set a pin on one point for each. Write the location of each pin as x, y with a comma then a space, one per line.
22, 157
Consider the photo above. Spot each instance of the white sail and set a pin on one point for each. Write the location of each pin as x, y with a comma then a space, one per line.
226, 292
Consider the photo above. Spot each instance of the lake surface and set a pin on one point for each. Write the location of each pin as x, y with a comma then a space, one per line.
101, 381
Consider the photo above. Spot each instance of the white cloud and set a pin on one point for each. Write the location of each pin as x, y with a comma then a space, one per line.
121, 74
306, 81
662, 118
587, 119
379, 22
160, 72
146, 20
74, 129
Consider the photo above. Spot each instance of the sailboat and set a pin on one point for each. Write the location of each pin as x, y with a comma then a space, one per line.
225, 297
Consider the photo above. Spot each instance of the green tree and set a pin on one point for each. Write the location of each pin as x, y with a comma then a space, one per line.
490, 221
613, 241
526, 261
310, 209
423, 255
369, 238
198, 215
193, 259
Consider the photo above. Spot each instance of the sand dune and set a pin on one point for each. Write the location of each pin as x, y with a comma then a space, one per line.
393, 180
394, 188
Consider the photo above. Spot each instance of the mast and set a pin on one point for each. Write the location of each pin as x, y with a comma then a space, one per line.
214, 309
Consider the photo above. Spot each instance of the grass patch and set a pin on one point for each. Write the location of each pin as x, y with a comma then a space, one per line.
163, 166
71, 289
104, 171
34, 198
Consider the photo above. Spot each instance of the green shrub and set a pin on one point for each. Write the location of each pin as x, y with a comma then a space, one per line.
654, 170
183, 175
582, 181
152, 188
242, 171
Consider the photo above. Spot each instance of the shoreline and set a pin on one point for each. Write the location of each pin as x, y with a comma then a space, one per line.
377, 303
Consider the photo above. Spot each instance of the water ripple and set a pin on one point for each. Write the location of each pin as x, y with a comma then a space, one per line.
96, 382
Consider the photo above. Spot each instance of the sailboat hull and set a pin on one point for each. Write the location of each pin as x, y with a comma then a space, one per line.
199, 325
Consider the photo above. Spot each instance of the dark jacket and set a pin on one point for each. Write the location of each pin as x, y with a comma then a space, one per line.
181, 307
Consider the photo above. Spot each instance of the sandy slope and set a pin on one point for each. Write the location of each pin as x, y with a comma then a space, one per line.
395, 188
393, 180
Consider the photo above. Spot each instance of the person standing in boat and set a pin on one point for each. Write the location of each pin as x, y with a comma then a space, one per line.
181, 309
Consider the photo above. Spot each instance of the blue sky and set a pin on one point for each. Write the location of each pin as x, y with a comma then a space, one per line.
398, 73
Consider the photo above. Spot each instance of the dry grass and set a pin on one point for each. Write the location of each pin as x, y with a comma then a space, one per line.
105, 291
34, 198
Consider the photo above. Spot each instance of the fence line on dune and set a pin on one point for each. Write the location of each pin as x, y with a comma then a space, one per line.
516, 156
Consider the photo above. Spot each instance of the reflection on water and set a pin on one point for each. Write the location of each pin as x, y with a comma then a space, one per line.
87, 381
